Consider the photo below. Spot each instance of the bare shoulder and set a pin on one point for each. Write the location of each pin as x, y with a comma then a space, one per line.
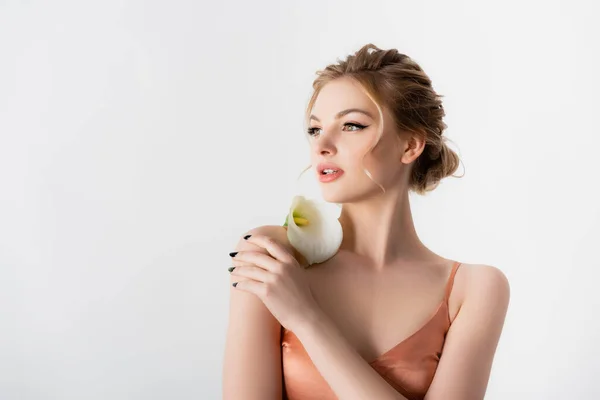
270, 230
483, 278
252, 359
464, 367
482, 284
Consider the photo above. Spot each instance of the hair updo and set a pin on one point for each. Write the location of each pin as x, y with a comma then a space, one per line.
394, 80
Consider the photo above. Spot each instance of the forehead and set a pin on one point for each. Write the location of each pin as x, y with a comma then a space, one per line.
341, 94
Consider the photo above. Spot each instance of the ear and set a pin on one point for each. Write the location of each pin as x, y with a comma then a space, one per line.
413, 147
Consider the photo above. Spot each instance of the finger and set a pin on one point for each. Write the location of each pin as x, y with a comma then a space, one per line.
253, 272
275, 249
250, 286
259, 259
240, 263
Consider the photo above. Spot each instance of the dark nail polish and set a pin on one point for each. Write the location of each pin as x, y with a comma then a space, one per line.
247, 236
233, 254
234, 284
231, 269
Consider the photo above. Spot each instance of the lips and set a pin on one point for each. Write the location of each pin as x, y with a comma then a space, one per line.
323, 166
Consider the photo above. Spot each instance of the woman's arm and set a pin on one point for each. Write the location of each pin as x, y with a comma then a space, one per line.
466, 361
252, 360
464, 368
252, 367
347, 373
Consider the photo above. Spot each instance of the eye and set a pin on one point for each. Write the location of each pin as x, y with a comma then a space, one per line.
311, 131
359, 126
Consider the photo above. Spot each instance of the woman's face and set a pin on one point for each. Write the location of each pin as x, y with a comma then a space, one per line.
343, 140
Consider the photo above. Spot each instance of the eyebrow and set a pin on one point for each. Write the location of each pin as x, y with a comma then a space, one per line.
344, 112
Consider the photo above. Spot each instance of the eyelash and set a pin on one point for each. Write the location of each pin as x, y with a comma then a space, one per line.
311, 131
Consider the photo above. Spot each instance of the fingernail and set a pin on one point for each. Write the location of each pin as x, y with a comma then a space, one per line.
233, 254
247, 236
231, 269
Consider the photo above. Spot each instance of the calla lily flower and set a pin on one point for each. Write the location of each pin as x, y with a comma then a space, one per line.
313, 228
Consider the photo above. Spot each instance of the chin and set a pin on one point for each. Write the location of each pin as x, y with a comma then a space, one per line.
343, 190
330, 198
338, 195
353, 194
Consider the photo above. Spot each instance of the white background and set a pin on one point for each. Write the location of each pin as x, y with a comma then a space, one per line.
139, 140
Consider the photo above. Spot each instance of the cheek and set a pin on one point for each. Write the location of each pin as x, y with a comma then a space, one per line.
379, 162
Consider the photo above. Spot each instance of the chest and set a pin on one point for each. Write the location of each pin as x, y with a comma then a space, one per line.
378, 309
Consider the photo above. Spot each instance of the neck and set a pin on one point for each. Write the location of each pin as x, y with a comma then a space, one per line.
381, 229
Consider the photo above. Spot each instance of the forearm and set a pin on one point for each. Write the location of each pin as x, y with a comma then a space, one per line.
347, 373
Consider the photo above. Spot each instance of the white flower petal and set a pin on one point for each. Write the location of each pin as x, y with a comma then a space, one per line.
320, 239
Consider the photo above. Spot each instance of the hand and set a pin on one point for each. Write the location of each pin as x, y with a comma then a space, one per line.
278, 280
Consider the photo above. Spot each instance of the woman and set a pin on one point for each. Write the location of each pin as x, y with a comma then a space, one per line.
385, 317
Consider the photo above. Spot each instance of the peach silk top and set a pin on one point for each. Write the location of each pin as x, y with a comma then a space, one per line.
409, 366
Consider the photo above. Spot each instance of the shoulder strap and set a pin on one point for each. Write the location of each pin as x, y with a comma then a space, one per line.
451, 280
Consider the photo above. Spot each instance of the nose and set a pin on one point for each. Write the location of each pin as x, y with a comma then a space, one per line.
324, 145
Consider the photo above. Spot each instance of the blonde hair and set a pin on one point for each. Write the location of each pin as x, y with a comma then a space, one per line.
394, 80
